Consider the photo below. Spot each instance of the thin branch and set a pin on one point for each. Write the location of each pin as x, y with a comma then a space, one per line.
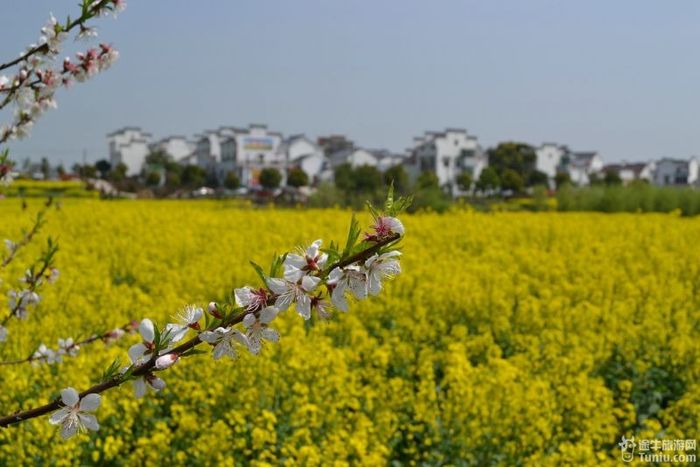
149, 366
130, 326
29, 235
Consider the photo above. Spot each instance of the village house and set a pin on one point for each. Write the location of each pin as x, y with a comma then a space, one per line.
676, 172
447, 154
631, 171
129, 146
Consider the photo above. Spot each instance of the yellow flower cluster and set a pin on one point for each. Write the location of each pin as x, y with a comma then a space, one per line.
510, 338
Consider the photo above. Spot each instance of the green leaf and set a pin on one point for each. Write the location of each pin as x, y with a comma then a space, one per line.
111, 371
259, 271
353, 235
193, 351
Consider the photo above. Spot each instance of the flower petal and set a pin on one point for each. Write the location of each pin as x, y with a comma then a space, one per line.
309, 283
270, 335
89, 421
90, 402
139, 387
136, 351
249, 320
70, 397
68, 429
59, 415
267, 314
147, 330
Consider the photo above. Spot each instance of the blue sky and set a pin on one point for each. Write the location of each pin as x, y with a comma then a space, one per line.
620, 77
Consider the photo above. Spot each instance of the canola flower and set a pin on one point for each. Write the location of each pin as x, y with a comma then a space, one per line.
509, 338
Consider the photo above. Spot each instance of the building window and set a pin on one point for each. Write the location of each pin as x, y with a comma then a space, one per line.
446, 161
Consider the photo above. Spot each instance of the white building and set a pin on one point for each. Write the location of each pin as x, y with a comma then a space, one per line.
177, 147
631, 171
447, 154
581, 165
549, 158
128, 146
356, 157
301, 152
676, 172
387, 159
246, 151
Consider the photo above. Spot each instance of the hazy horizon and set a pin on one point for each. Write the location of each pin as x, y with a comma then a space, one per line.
618, 78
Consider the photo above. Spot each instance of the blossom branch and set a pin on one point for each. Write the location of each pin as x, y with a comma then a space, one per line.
237, 315
90, 10
19, 301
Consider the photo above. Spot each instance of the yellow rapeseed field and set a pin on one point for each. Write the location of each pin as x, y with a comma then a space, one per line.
510, 338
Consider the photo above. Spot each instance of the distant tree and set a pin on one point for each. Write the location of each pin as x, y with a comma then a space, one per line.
45, 168
464, 181
103, 167
343, 177
60, 170
231, 181
488, 180
561, 179
297, 177
172, 180
427, 180
595, 180
158, 158
398, 176
538, 178
85, 171
511, 180
270, 178
192, 176
153, 178
519, 157
612, 177
118, 173
367, 179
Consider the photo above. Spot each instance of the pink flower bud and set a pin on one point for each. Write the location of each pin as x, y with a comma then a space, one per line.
166, 361
214, 310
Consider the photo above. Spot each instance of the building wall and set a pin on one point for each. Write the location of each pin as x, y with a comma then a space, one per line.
176, 147
549, 158
128, 146
448, 154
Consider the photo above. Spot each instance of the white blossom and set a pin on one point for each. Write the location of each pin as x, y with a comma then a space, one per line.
74, 416
188, 318
294, 292
50, 37
224, 340
45, 355
68, 347
250, 299
295, 266
349, 278
19, 302
380, 267
143, 382
385, 226
257, 328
